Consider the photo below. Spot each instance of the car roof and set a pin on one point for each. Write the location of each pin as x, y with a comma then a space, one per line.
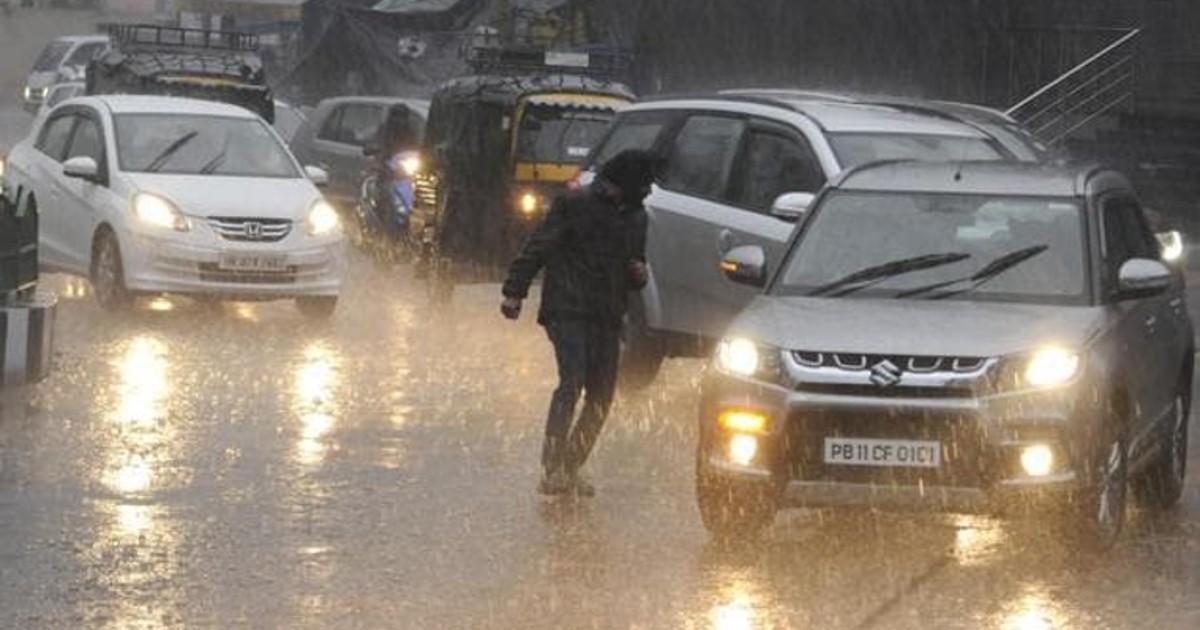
832, 112
139, 104
988, 178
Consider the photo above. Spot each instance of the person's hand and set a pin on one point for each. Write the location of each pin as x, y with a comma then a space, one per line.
510, 307
638, 271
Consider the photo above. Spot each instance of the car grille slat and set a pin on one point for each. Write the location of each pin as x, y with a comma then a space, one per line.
854, 361
251, 229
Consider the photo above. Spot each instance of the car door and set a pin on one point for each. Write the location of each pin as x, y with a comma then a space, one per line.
689, 211
46, 180
774, 159
83, 200
339, 142
1145, 324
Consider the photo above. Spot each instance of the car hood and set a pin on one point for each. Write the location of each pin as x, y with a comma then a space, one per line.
916, 327
217, 196
41, 79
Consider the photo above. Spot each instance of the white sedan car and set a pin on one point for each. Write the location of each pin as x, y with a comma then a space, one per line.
169, 195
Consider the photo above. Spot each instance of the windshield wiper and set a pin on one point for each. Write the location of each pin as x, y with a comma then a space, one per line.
166, 154
989, 271
213, 164
878, 273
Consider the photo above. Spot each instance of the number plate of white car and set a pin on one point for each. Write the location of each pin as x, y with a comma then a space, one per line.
253, 262
875, 452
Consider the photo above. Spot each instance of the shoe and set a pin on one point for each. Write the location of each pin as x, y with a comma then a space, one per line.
581, 487
557, 482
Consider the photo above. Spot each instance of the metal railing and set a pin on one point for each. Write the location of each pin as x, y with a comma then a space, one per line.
1099, 85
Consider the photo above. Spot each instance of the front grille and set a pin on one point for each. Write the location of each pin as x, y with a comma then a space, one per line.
909, 363
966, 462
251, 230
210, 272
895, 391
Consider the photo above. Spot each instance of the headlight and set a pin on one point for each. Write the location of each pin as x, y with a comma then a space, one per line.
743, 357
1, 168
1050, 367
410, 165
158, 212
1171, 244
529, 204
322, 219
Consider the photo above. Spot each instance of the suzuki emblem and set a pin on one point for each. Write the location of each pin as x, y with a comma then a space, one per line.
885, 373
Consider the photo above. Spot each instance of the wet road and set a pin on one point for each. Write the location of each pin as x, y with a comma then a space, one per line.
191, 466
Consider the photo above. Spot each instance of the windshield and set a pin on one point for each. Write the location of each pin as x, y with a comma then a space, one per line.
560, 135
51, 56
200, 145
62, 93
854, 149
940, 246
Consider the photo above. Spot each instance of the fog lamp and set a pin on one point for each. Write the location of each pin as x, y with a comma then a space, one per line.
1037, 460
742, 449
743, 421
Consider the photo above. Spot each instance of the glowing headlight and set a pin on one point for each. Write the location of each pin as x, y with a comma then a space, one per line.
158, 212
739, 356
322, 219
529, 204
1171, 244
1, 167
1050, 367
1037, 460
743, 449
410, 165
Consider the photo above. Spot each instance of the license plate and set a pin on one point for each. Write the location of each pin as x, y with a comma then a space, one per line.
253, 262
873, 452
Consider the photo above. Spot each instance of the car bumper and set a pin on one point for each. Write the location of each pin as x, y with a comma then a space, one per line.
981, 440
192, 264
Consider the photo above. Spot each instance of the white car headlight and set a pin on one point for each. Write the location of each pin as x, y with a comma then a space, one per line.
738, 356
1052, 366
322, 219
154, 210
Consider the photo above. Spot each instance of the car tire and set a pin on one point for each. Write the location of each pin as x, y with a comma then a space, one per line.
642, 353
1160, 486
734, 511
1099, 511
318, 307
108, 273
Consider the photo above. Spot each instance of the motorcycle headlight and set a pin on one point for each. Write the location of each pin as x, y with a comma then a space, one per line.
529, 203
1051, 367
155, 211
743, 357
322, 219
1171, 244
410, 165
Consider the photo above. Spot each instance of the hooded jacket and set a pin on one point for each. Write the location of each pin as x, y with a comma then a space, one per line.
586, 244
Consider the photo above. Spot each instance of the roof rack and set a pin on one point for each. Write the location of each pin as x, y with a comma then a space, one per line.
487, 53
151, 36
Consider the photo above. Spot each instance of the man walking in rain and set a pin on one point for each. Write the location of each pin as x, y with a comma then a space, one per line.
592, 246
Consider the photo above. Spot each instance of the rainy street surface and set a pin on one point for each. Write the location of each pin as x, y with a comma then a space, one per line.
191, 465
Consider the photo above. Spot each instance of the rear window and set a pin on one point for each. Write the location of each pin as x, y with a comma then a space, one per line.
854, 149
51, 56
636, 130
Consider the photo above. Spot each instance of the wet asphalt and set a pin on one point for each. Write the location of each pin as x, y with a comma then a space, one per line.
237, 466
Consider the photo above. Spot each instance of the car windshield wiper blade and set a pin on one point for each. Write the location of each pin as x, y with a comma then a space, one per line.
166, 154
878, 273
213, 164
989, 271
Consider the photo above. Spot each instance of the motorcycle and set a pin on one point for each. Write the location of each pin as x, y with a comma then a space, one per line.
385, 205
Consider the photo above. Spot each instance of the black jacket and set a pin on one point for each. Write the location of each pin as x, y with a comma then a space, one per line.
586, 244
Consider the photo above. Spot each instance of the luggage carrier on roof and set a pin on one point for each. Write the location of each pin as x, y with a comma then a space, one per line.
487, 55
131, 37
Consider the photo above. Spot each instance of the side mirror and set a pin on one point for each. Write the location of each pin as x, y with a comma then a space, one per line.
792, 206
1172, 247
82, 167
317, 175
746, 265
1143, 278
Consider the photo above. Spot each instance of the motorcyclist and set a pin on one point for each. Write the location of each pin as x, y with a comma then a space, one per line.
394, 136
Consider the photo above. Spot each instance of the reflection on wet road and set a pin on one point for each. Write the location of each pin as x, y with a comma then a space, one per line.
191, 465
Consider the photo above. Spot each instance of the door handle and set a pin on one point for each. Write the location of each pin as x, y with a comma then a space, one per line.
724, 242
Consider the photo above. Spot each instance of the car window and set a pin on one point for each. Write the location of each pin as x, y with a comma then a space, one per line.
702, 154
773, 162
1126, 235
637, 130
82, 55
86, 142
63, 92
53, 140
51, 55
854, 149
353, 124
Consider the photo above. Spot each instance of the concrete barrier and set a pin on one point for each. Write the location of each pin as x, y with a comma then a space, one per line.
27, 340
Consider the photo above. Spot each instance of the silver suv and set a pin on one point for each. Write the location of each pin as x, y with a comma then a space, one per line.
739, 169
962, 335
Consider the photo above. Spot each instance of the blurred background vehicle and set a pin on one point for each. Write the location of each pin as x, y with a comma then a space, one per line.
62, 57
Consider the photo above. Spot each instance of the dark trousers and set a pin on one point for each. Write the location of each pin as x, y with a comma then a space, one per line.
586, 352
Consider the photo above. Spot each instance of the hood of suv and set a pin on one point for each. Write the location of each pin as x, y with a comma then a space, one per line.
216, 196
915, 327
